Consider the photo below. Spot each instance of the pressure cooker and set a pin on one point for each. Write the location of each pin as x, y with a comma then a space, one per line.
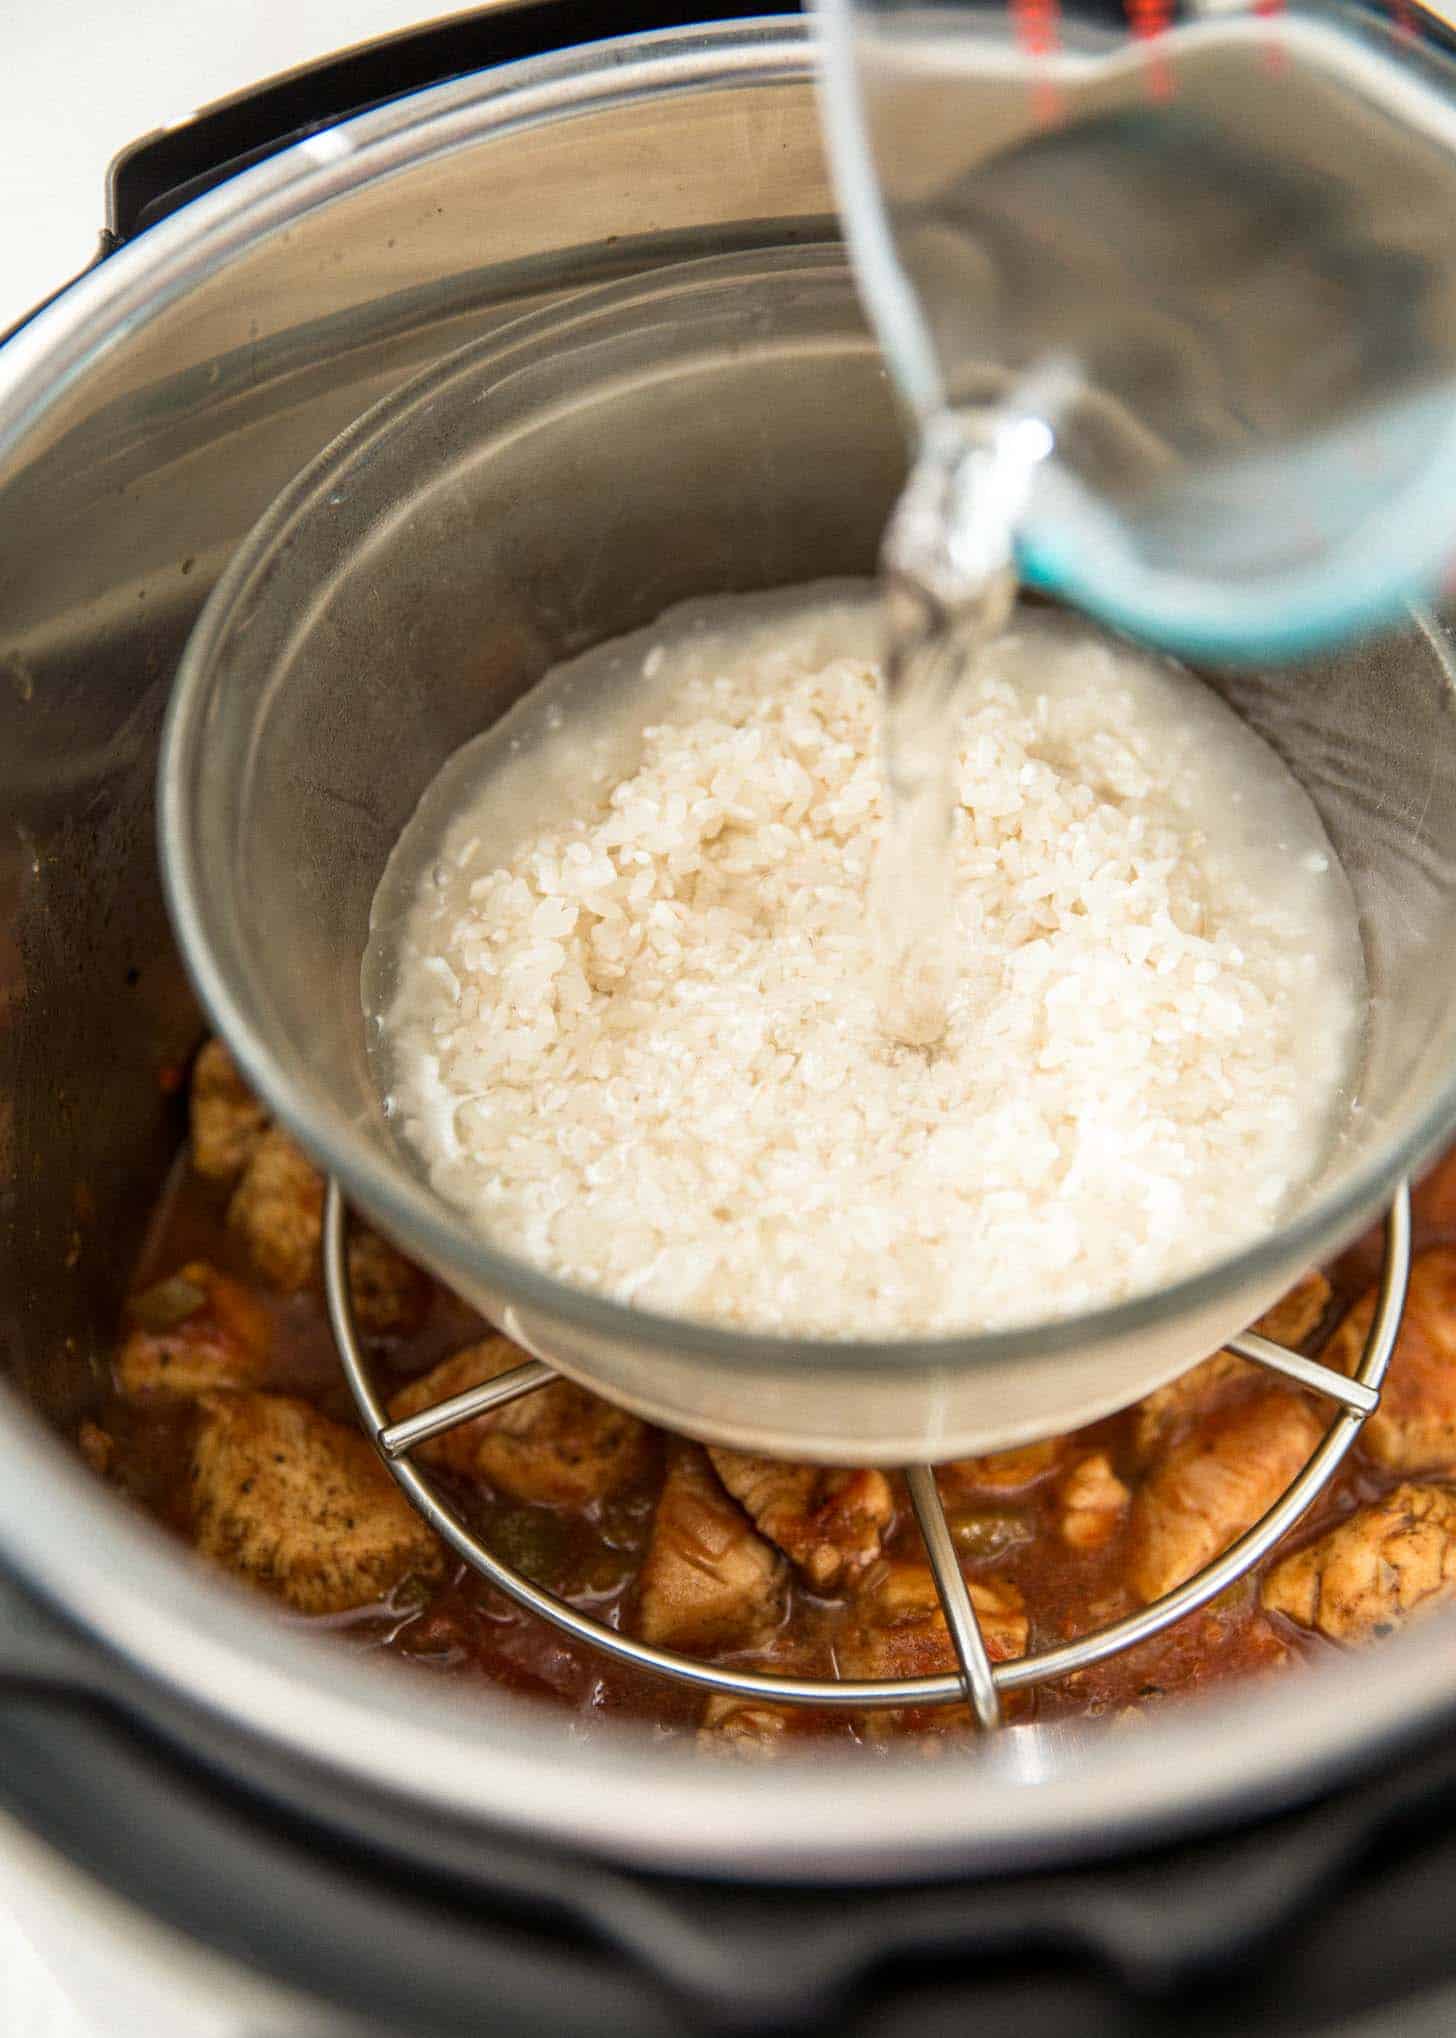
400, 1859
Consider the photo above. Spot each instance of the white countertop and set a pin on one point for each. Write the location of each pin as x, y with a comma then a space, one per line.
32, 2002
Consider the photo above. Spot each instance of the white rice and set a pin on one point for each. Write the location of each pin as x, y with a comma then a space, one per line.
631, 1026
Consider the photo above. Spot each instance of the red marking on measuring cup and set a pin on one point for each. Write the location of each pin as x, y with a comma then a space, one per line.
1037, 25
1274, 52
1405, 19
1148, 20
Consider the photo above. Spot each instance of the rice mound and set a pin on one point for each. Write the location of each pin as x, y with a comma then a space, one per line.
641, 1050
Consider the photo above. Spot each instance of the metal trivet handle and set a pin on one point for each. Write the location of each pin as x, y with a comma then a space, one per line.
979, 1682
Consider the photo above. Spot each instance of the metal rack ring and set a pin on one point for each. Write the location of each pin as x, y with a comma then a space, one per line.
977, 1680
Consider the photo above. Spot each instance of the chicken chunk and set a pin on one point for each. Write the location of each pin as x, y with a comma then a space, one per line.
193, 1333
301, 1506
97, 1447
1435, 1198
1004, 1471
1384, 1566
1093, 1501
1296, 1314
278, 1208
750, 1728
1215, 1483
899, 1626
560, 1445
227, 1119
1414, 1428
1167, 1408
709, 1580
390, 1293
830, 1523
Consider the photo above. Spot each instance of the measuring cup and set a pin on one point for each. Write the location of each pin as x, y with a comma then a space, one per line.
1194, 271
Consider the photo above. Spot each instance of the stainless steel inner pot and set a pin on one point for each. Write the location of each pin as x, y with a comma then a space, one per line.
146, 420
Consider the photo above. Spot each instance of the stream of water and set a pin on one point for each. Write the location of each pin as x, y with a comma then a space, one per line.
950, 584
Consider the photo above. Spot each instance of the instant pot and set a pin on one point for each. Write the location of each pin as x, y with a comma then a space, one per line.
401, 1859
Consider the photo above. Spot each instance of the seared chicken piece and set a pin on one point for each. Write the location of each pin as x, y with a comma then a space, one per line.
1004, 1471
389, 1292
829, 1522
97, 1447
709, 1580
559, 1445
192, 1333
1435, 1197
1296, 1314
1414, 1428
749, 1728
301, 1506
278, 1207
1166, 1409
227, 1119
1382, 1567
1093, 1501
1217, 1482
899, 1626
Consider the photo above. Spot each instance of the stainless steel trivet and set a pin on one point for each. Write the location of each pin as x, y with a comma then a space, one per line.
980, 1682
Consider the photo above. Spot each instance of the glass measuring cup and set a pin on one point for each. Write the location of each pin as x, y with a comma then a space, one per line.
1193, 271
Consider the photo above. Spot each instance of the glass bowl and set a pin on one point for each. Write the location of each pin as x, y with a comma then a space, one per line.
720, 426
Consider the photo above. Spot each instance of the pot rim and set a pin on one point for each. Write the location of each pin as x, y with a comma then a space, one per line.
485, 1763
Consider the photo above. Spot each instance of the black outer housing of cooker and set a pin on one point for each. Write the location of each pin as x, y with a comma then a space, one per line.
1295, 1924
1291, 1925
